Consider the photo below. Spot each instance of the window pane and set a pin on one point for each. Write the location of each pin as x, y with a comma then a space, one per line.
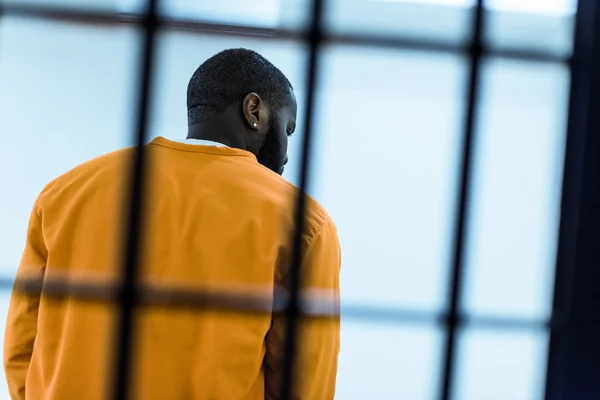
66, 97
388, 362
501, 365
388, 128
539, 25
264, 13
423, 19
516, 189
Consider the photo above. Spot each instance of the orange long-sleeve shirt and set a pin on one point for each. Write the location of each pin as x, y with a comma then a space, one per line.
215, 220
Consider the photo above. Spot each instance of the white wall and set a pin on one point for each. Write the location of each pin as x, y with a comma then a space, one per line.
388, 132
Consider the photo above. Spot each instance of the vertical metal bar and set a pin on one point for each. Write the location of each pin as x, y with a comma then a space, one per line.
456, 277
315, 37
573, 369
127, 290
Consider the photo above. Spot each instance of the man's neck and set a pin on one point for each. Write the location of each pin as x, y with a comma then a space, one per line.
215, 134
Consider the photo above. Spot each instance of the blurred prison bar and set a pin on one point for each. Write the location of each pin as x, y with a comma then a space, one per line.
388, 131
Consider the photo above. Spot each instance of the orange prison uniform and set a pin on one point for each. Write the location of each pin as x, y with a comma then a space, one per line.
215, 219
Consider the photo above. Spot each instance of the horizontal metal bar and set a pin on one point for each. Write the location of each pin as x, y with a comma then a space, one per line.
104, 18
235, 302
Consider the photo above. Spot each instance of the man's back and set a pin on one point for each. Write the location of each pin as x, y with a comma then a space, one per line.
215, 220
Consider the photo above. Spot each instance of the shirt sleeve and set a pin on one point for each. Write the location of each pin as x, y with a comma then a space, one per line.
21, 324
318, 346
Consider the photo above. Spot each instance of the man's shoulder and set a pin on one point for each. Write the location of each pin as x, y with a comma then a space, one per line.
85, 170
288, 193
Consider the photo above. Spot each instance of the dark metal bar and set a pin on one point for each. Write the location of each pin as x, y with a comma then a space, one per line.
152, 296
573, 370
456, 275
128, 291
293, 307
90, 17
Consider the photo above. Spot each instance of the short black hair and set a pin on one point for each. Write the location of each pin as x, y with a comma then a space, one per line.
227, 77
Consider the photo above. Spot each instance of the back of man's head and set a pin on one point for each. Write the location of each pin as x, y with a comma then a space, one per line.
227, 77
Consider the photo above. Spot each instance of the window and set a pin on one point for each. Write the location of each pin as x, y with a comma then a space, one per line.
388, 130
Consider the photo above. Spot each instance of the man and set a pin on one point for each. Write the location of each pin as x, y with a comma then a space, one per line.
218, 218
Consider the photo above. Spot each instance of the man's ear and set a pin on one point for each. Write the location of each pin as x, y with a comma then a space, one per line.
252, 107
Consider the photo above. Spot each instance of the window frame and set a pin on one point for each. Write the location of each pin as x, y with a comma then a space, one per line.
574, 356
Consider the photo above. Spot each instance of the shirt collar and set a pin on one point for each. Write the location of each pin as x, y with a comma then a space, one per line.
201, 142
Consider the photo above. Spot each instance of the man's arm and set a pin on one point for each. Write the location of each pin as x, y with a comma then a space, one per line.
319, 340
21, 324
